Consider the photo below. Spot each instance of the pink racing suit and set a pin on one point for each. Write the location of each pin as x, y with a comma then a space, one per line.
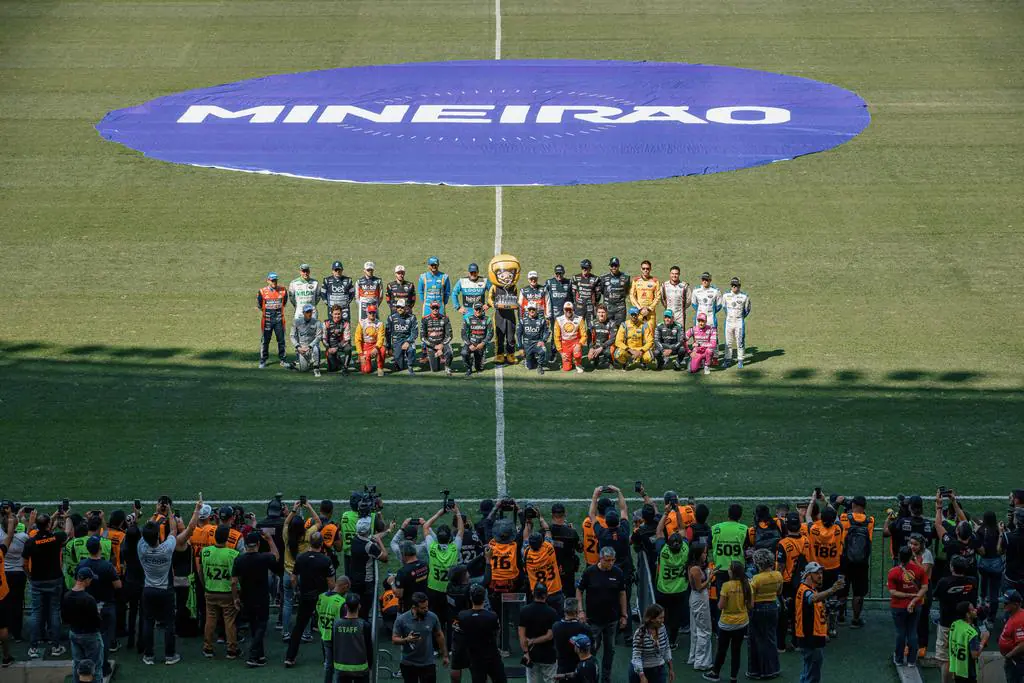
705, 343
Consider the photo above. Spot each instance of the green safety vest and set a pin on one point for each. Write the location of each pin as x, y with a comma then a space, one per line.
328, 608
75, 552
672, 570
217, 564
960, 636
348, 529
727, 540
441, 562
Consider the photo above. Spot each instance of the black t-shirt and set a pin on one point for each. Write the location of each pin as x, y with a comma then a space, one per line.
133, 572
537, 618
411, 578
101, 588
617, 538
643, 541
601, 590
79, 611
954, 546
564, 630
479, 634
951, 590
567, 544
252, 570
44, 551
360, 567
1013, 542
313, 569
586, 672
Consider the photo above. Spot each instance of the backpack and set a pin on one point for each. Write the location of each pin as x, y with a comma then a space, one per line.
767, 539
857, 545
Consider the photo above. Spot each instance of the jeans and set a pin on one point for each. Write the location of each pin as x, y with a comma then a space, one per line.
762, 650
157, 605
86, 646
604, 638
989, 590
257, 633
328, 647
287, 605
45, 600
406, 359
906, 633
812, 660
658, 674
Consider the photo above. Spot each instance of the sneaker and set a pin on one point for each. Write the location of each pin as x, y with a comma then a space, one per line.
289, 663
707, 370
58, 651
208, 653
35, 653
232, 654
725, 364
579, 369
286, 636
262, 661
7, 662
286, 364
307, 637
172, 660
252, 663
380, 372
316, 372
221, 640
411, 371
147, 659
540, 369
740, 365
711, 676
447, 371
263, 364
685, 630
897, 661
469, 372
499, 358
115, 646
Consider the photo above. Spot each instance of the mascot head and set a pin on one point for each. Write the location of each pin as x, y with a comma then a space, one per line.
503, 270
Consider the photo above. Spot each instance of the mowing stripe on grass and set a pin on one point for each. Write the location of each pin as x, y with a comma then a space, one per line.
499, 373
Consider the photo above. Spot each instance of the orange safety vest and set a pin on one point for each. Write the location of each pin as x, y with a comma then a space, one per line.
590, 552
826, 544
542, 566
688, 515
810, 624
504, 562
794, 549
116, 538
388, 600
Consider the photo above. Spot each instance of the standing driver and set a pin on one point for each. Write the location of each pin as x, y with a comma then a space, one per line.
270, 301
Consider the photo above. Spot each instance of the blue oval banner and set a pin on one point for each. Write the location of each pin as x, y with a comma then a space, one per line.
530, 122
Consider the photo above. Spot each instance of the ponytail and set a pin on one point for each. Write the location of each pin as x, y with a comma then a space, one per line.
737, 572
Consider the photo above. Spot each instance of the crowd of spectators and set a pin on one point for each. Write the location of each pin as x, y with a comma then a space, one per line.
773, 583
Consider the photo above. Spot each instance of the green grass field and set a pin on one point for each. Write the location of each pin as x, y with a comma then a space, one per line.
882, 273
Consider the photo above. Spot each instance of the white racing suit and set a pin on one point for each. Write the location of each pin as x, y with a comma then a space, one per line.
737, 308
307, 333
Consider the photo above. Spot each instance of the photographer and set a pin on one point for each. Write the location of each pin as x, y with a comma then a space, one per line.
567, 545
910, 520
409, 532
540, 559
957, 538
411, 577
858, 530
791, 556
443, 551
367, 550
615, 534
811, 621
949, 592
670, 579
504, 573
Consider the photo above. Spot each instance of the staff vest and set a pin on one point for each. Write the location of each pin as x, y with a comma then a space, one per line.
960, 636
441, 560
217, 564
672, 570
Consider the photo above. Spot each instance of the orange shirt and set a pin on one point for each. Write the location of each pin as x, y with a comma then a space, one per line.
504, 561
590, 539
826, 544
688, 515
542, 566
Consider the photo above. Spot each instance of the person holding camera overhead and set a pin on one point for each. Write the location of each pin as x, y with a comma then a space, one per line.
616, 534
443, 552
541, 560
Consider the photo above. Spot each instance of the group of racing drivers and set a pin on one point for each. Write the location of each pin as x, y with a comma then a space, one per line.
609, 320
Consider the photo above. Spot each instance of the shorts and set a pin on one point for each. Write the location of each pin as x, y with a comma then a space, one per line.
857, 579
942, 643
460, 654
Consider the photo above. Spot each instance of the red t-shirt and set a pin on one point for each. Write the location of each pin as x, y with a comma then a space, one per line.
909, 579
1013, 633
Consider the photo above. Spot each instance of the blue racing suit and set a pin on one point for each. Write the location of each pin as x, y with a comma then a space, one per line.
401, 329
467, 292
432, 287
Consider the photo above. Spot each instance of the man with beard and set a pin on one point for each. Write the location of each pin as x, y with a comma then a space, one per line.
602, 339
614, 291
584, 291
338, 340
531, 334
557, 291
400, 292
476, 335
401, 337
338, 290
436, 332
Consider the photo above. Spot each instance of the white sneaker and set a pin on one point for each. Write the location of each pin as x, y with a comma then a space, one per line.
707, 370
316, 372
380, 372
447, 371
579, 369
263, 364
286, 364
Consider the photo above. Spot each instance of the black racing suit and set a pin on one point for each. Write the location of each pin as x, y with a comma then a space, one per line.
475, 329
669, 337
505, 302
338, 336
557, 292
614, 292
584, 294
531, 334
436, 329
338, 290
403, 293
602, 334
398, 330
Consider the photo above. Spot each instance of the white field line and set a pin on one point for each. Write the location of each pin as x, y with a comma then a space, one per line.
497, 29
500, 476
78, 504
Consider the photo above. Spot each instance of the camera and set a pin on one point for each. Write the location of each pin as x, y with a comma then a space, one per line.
506, 504
817, 492
65, 505
303, 500
531, 511
370, 493
138, 504
638, 487
448, 502
945, 492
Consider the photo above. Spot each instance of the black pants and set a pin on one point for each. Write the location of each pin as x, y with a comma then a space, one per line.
492, 668
340, 360
435, 362
569, 584
307, 607
258, 620
133, 607
185, 625
617, 315
504, 331
438, 603
474, 360
157, 606
676, 605
16, 582
418, 674
729, 643
787, 611
276, 329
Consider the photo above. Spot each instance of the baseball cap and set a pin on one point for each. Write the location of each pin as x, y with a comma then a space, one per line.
581, 640
811, 568
205, 511
304, 266
734, 281
307, 308
433, 261
225, 512
860, 500
702, 316
532, 274
533, 305
585, 263
560, 269
271, 275
337, 266
668, 313
399, 269
1012, 595
473, 268
364, 525
478, 306
369, 265
705, 275
252, 538
85, 574
92, 544
568, 304
613, 261
435, 304
633, 310
371, 309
